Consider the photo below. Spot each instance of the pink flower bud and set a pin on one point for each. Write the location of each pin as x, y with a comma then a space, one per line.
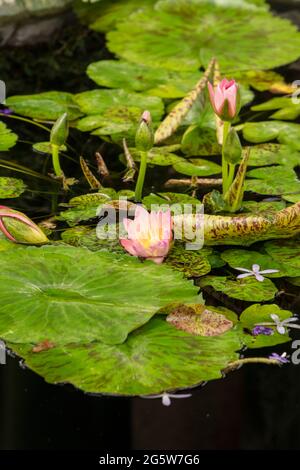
225, 99
149, 234
18, 228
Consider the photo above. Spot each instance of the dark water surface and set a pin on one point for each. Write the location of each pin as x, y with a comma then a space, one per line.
256, 407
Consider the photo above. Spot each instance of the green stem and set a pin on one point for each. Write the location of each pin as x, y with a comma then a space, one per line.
141, 177
226, 129
19, 118
55, 160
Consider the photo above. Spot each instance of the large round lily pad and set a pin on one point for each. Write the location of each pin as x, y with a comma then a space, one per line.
65, 294
155, 358
184, 34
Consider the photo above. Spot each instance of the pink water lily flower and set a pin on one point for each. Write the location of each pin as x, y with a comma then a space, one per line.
149, 234
225, 99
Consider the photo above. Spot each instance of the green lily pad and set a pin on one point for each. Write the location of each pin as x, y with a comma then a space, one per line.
199, 320
48, 105
197, 167
6, 244
87, 237
11, 187
136, 77
7, 138
248, 289
56, 300
246, 258
261, 314
86, 206
286, 252
200, 140
100, 101
264, 131
155, 358
287, 108
273, 181
193, 263
190, 33
262, 80
175, 200
102, 16
273, 154
161, 156
263, 207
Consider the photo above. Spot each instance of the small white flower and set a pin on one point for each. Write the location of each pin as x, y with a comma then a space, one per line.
256, 272
281, 325
166, 397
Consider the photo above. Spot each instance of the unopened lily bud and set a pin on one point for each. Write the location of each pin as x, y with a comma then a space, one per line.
225, 99
59, 131
144, 137
232, 149
18, 228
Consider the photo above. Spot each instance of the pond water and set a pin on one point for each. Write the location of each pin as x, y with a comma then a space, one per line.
255, 407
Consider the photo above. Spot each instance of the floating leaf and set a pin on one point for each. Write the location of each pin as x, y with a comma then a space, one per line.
136, 77
288, 109
155, 358
263, 80
273, 181
200, 140
11, 187
263, 207
161, 156
264, 131
197, 167
190, 33
87, 237
99, 101
175, 200
248, 289
102, 16
193, 263
199, 320
48, 105
260, 314
246, 259
7, 138
287, 253
273, 154
102, 296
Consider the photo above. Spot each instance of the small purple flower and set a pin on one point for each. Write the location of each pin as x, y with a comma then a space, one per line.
282, 359
262, 330
6, 111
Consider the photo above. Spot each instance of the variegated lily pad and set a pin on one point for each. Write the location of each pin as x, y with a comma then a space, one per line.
199, 320
248, 289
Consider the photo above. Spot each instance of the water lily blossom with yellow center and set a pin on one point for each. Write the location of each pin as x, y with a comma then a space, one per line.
149, 234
